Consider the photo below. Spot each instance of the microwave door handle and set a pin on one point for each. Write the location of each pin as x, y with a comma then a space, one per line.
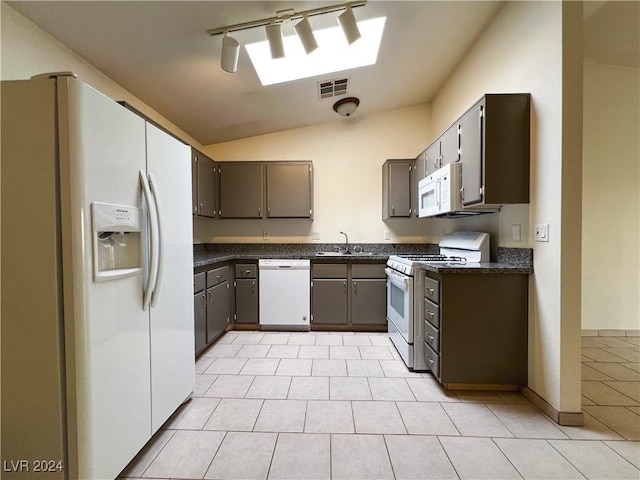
438, 194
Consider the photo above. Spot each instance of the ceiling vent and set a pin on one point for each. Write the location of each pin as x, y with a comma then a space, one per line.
333, 88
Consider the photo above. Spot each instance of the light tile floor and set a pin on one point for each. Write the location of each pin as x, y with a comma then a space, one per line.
323, 405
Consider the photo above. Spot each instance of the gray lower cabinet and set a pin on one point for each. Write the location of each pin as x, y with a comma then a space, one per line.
368, 301
348, 296
397, 188
246, 294
211, 304
200, 312
329, 301
218, 310
476, 329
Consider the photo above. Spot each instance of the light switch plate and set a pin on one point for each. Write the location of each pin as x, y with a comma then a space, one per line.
315, 235
516, 232
387, 235
541, 232
265, 234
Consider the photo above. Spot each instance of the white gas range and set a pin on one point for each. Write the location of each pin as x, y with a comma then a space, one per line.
405, 290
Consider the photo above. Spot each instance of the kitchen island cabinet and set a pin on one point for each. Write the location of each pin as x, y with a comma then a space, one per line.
476, 329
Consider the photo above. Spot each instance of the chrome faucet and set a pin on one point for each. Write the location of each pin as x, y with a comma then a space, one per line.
346, 243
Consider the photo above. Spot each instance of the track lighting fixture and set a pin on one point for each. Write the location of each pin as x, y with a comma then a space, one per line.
347, 21
274, 36
230, 52
273, 28
305, 34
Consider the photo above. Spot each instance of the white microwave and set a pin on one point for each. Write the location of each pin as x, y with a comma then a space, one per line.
439, 193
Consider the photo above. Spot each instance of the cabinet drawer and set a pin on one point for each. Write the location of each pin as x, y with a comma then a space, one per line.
368, 271
217, 275
246, 270
198, 282
330, 270
432, 360
432, 313
432, 336
432, 289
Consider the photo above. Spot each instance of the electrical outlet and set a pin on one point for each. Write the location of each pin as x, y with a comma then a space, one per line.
265, 234
542, 232
315, 235
516, 232
387, 235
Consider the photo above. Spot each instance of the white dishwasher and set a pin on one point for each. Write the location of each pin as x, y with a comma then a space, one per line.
285, 294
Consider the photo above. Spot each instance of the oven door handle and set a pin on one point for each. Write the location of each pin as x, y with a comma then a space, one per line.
397, 279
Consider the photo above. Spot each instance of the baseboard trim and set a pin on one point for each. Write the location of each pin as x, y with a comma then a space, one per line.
575, 419
610, 333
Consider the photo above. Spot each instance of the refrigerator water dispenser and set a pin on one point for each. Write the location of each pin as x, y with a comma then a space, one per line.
117, 241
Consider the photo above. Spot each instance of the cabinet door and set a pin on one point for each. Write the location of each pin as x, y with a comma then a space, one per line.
200, 320
289, 190
432, 158
368, 302
246, 301
399, 189
471, 156
218, 310
207, 185
329, 302
419, 172
241, 190
449, 146
194, 182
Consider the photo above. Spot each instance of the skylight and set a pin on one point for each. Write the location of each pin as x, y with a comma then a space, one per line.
332, 55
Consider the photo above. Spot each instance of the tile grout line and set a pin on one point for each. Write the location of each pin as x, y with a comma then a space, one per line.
506, 456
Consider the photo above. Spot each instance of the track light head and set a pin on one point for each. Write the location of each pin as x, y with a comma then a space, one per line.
274, 36
305, 34
347, 21
229, 56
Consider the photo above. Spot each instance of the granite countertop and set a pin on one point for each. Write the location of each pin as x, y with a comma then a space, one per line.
509, 260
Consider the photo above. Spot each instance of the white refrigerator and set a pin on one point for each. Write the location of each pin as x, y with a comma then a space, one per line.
97, 314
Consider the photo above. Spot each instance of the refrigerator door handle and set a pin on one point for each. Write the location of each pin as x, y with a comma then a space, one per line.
156, 197
153, 244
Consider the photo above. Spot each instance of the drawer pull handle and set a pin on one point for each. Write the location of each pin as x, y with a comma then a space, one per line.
430, 361
247, 272
430, 337
218, 277
430, 314
431, 290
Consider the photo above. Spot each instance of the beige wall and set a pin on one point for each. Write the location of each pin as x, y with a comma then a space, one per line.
610, 199
522, 51
27, 50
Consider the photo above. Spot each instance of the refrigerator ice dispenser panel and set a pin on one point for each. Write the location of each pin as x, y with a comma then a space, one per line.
116, 241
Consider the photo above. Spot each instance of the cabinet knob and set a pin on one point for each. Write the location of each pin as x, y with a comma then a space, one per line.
430, 314
355, 287
344, 287
430, 337
431, 290
253, 287
259, 211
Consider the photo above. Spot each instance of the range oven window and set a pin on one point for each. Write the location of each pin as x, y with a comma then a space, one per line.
397, 299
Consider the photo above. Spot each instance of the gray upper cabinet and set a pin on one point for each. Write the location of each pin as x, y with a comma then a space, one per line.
419, 172
266, 189
397, 188
495, 146
289, 190
241, 190
444, 150
450, 145
432, 158
204, 185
